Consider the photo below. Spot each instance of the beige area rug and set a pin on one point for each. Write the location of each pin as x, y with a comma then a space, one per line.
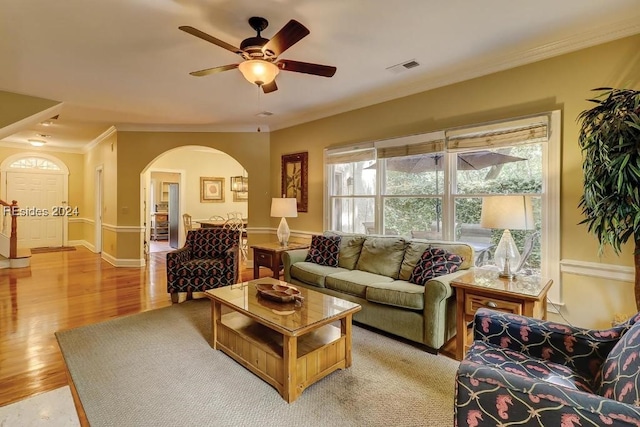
158, 369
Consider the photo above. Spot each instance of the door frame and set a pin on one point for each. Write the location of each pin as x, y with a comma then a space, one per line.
97, 247
145, 206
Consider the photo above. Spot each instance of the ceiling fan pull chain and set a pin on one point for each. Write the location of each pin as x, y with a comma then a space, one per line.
259, 89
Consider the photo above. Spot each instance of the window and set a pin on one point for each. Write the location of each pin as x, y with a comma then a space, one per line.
352, 189
34, 163
432, 186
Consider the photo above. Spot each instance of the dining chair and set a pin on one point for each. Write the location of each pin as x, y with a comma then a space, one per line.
188, 224
217, 218
238, 224
234, 215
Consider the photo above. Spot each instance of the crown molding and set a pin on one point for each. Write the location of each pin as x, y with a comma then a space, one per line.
47, 148
192, 128
104, 135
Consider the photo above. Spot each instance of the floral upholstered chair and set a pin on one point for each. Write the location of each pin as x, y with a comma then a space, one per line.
523, 371
208, 259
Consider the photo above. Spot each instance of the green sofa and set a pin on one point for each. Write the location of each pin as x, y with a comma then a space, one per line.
374, 272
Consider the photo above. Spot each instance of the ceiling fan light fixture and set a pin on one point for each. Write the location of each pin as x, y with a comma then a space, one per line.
259, 72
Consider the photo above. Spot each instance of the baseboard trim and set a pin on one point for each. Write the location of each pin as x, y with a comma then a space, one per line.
84, 243
116, 262
618, 273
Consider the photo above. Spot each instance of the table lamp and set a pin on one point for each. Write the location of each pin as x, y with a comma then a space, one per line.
285, 208
507, 212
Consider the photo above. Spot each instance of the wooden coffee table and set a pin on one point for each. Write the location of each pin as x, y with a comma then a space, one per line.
288, 345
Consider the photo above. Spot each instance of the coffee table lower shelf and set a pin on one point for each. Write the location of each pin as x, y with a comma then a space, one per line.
289, 364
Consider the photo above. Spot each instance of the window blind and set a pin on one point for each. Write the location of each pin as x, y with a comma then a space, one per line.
410, 145
350, 156
502, 134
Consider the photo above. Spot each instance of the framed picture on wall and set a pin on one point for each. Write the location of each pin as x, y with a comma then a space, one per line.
295, 172
211, 189
240, 196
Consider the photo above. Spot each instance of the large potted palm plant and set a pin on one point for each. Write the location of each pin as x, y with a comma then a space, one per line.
610, 142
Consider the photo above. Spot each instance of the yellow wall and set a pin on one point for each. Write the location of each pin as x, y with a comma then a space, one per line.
561, 83
104, 156
15, 107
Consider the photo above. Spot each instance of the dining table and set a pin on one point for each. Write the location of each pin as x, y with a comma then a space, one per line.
217, 223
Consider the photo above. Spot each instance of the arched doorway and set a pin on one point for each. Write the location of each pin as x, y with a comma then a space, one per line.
187, 166
40, 184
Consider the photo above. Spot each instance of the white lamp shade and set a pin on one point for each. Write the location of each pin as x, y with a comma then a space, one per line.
507, 212
258, 71
284, 207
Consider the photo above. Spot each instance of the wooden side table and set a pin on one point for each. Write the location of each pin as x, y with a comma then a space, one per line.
270, 255
525, 295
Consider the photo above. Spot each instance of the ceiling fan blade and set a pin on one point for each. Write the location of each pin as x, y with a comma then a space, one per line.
270, 87
288, 35
210, 39
213, 70
306, 67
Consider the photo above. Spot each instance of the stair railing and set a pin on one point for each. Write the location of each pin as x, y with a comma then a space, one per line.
10, 210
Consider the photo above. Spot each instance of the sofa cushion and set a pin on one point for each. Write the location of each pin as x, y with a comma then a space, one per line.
382, 255
354, 282
399, 293
416, 248
313, 274
526, 366
350, 248
434, 262
324, 250
621, 369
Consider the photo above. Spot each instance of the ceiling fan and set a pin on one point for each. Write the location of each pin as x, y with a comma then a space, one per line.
261, 63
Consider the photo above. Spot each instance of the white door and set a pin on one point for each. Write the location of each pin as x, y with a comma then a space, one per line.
39, 197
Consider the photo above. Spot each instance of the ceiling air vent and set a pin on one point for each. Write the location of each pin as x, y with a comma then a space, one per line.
404, 66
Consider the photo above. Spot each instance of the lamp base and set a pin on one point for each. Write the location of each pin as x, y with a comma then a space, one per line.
506, 254
507, 275
283, 232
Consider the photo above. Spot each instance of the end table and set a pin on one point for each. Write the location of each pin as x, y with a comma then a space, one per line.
270, 255
525, 295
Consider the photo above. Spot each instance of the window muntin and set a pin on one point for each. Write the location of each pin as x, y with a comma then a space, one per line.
34, 163
351, 189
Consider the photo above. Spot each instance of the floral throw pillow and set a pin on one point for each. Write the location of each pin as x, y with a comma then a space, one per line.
324, 250
434, 262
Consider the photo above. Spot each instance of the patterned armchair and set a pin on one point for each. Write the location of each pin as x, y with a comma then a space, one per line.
523, 371
208, 259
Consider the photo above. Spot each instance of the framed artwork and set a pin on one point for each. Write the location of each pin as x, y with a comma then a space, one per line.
240, 196
211, 189
295, 172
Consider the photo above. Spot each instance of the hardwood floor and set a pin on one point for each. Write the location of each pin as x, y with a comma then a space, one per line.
63, 290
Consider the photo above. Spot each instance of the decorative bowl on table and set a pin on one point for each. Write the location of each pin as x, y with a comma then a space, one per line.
278, 292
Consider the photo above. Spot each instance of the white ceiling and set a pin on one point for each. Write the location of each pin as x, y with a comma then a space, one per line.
125, 63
